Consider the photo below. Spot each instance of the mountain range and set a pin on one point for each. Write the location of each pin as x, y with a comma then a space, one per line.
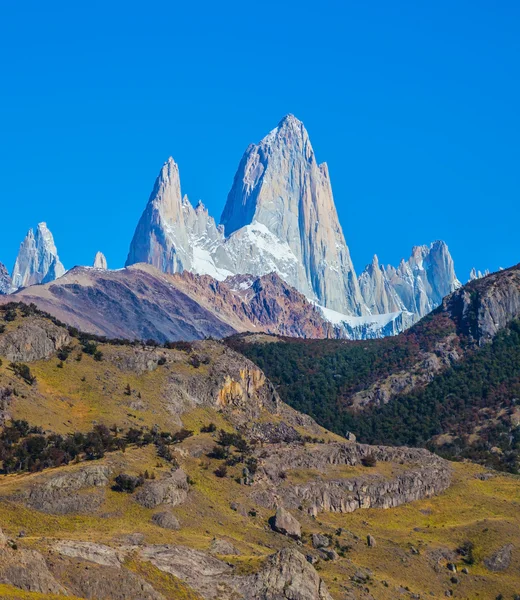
279, 217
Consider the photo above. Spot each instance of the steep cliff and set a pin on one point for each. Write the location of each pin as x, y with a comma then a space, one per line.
37, 260
5, 280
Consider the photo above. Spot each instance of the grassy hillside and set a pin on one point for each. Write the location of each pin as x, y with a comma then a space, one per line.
157, 390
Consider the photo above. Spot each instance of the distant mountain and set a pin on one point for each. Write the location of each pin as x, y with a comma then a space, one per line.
140, 302
37, 260
417, 285
5, 280
280, 217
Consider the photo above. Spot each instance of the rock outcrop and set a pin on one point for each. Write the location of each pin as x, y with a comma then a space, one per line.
37, 260
33, 340
100, 262
166, 520
172, 490
286, 524
69, 491
501, 559
420, 474
287, 575
486, 305
5, 280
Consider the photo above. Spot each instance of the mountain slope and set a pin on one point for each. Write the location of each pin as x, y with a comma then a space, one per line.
202, 519
452, 380
141, 302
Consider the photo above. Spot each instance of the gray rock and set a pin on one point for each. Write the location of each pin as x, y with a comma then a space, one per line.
220, 546
27, 570
63, 494
501, 559
319, 540
37, 260
286, 575
166, 520
34, 339
283, 522
203, 572
100, 262
90, 551
371, 541
5, 280
426, 476
172, 490
328, 554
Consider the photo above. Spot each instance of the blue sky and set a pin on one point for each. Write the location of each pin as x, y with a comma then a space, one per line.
414, 105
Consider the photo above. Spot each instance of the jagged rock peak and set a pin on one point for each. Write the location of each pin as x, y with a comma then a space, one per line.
280, 186
37, 260
5, 280
171, 234
474, 274
418, 285
100, 262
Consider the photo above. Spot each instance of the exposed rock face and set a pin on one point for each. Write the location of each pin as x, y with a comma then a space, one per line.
5, 280
219, 546
141, 302
91, 578
378, 294
37, 260
100, 262
280, 217
423, 475
287, 575
93, 552
166, 520
417, 286
68, 492
501, 559
172, 490
203, 572
486, 305
280, 186
27, 570
33, 340
285, 523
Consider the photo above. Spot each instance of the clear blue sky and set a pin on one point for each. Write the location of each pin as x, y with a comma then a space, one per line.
414, 105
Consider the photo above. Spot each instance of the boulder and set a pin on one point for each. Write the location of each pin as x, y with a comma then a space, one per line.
501, 559
283, 522
320, 541
172, 490
166, 520
371, 541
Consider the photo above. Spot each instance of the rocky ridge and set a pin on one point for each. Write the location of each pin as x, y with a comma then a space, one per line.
280, 217
5, 280
141, 302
